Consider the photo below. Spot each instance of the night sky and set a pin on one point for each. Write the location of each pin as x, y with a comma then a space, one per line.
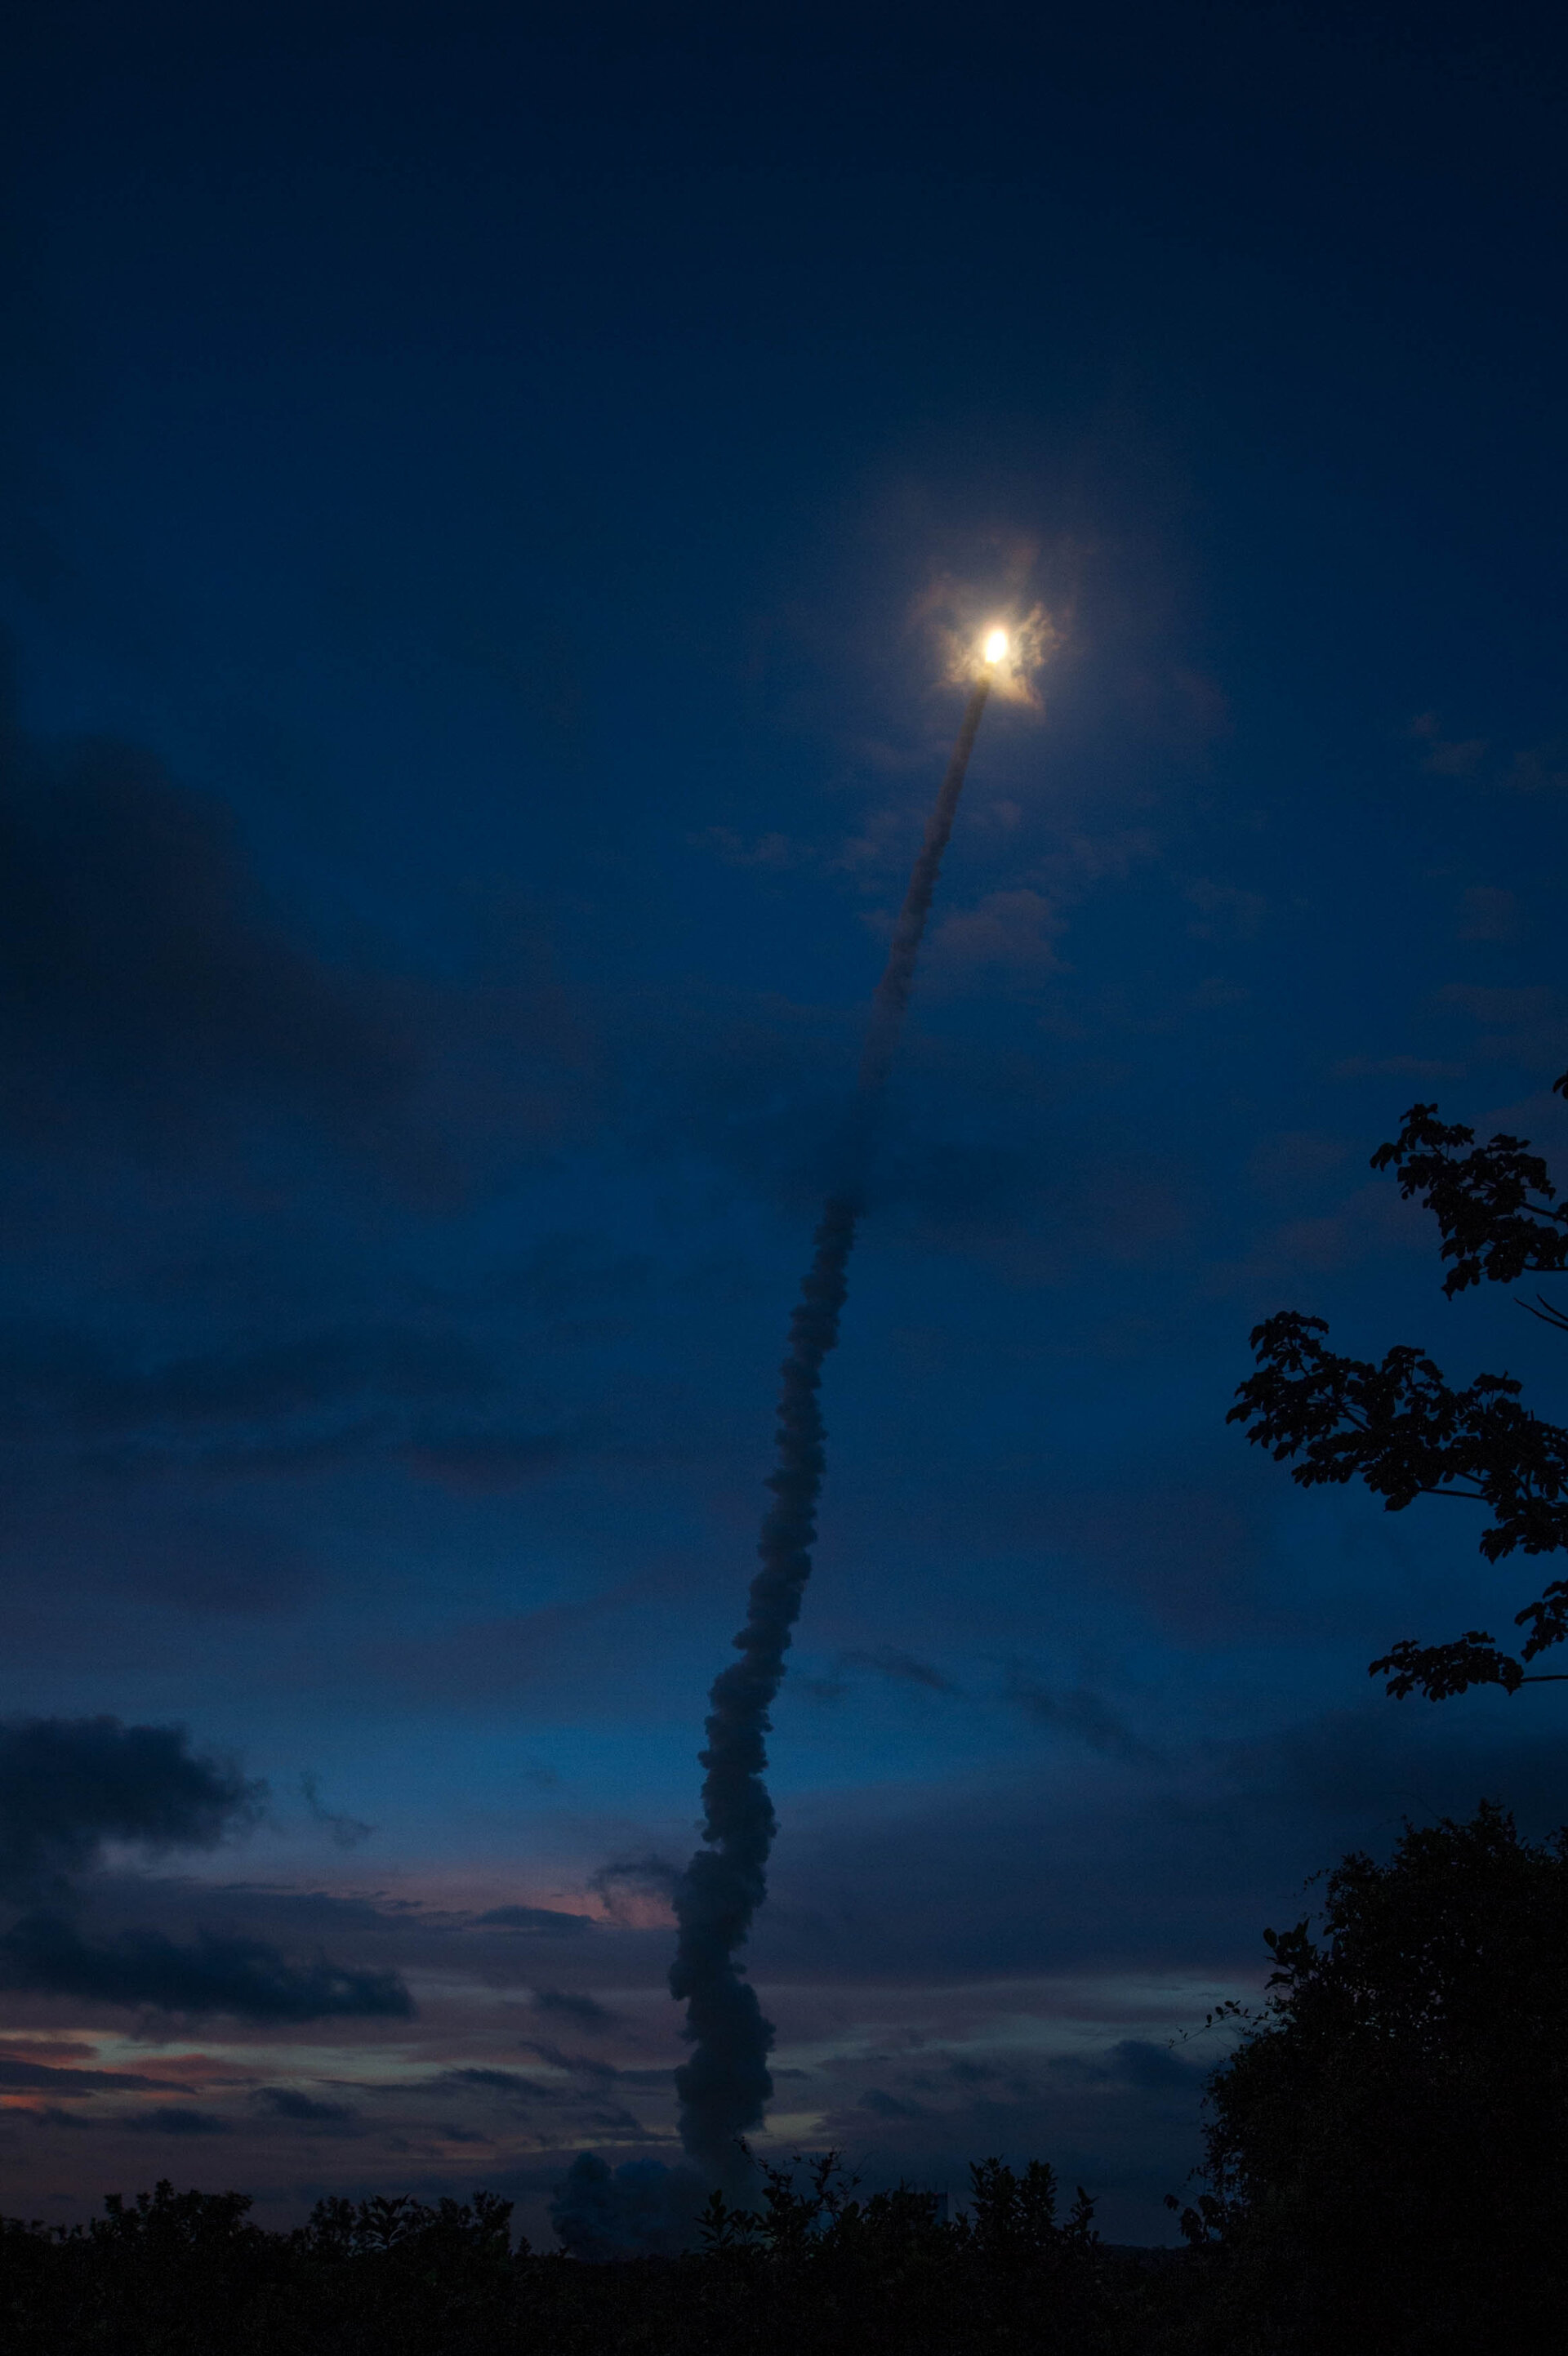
483, 495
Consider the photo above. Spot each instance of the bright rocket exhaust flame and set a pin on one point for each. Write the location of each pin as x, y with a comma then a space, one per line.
1007, 656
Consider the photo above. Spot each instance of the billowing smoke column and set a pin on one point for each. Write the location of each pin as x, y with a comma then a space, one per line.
725, 2084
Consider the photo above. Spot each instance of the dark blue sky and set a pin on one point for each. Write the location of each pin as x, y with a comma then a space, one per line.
481, 501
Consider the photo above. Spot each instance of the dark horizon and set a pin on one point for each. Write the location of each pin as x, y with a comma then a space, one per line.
485, 514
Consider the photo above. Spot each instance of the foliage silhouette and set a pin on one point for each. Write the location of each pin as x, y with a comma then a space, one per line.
814, 2266
1403, 1430
1388, 2146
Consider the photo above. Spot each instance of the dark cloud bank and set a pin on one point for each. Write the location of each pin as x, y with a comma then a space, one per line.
68, 1788
152, 998
140, 978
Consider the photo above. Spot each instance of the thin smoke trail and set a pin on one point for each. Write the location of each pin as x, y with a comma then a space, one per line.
725, 2086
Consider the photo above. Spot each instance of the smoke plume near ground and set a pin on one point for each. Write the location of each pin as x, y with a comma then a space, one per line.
725, 2086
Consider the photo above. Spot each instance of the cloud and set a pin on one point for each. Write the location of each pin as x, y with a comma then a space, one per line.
1081, 1714
1175, 1870
58, 1378
889, 2106
509, 2084
151, 1547
16, 2071
153, 999
286, 2103
347, 1832
140, 972
586, 2103
636, 1890
174, 2119
1012, 932
1378, 1763
1539, 770
987, 1148
45, 1954
551, 1921
1029, 1181
1079, 860
581, 2009
1445, 756
901, 1668
1533, 769
482, 1461
69, 1786
1153, 2069
1527, 1023
120, 1462
583, 2065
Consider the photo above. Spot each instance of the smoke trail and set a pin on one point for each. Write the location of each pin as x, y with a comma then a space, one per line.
724, 2087
892, 999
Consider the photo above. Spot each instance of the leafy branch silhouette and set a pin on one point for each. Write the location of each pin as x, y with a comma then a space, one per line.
1403, 1431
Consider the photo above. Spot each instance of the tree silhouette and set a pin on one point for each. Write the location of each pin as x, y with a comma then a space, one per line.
1388, 2144
1403, 1430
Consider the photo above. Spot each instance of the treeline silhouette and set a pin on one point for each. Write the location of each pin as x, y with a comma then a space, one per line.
1386, 2171
187, 2275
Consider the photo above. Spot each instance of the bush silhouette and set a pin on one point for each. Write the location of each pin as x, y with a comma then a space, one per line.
814, 2268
